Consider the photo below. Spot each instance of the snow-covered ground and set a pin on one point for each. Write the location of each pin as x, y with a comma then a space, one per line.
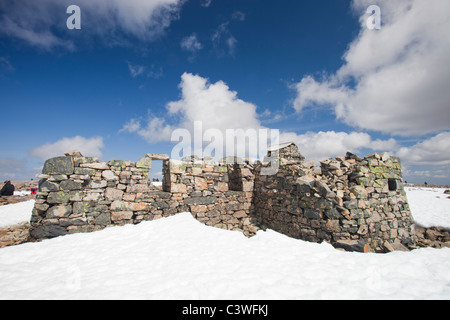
180, 258
12, 214
22, 193
157, 183
429, 206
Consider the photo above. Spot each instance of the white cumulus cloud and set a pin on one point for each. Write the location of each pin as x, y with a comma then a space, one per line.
219, 108
206, 3
153, 130
432, 151
191, 43
214, 104
135, 70
34, 22
224, 42
325, 144
87, 146
401, 72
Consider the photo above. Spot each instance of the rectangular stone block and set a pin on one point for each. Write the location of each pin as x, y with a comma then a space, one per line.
121, 215
178, 188
59, 165
58, 197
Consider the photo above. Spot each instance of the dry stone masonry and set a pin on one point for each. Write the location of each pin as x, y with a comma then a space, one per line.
81, 194
14, 235
354, 203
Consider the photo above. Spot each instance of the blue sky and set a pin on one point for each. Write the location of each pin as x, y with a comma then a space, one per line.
311, 69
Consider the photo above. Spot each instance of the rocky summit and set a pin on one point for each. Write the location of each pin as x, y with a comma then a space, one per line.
356, 204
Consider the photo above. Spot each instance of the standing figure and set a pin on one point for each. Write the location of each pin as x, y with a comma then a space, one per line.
8, 189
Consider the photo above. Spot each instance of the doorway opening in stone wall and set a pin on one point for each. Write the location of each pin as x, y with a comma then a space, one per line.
235, 178
155, 175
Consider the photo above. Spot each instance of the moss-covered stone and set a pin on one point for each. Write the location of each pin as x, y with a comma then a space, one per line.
144, 163
58, 197
59, 165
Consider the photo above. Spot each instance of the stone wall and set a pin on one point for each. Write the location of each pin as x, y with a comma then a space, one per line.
356, 204
81, 194
217, 195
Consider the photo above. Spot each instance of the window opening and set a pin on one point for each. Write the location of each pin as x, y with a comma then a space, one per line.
392, 183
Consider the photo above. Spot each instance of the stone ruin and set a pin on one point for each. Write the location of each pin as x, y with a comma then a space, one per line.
353, 203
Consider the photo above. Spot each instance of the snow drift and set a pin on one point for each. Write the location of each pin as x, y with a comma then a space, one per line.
180, 258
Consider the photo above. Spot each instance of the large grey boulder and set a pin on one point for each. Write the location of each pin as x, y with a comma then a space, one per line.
48, 231
351, 245
58, 165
